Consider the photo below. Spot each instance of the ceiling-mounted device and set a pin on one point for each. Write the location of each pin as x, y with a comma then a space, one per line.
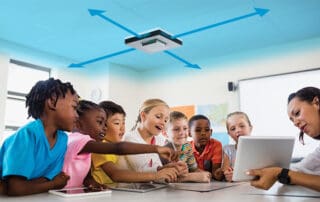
153, 41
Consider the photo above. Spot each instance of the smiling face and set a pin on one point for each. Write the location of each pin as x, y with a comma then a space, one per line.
115, 127
305, 116
154, 122
178, 131
238, 125
93, 123
201, 131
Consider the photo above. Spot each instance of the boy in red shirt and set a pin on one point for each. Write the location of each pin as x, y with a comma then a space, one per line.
207, 151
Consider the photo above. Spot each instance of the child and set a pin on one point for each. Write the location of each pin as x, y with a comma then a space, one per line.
87, 140
207, 151
31, 159
104, 169
152, 120
238, 124
177, 132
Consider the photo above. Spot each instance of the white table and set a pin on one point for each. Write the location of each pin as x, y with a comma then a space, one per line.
240, 193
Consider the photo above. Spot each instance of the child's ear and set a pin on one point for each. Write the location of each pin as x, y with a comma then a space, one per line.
51, 104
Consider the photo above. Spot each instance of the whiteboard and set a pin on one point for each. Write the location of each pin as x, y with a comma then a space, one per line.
264, 99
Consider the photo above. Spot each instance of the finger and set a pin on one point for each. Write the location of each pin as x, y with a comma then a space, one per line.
255, 172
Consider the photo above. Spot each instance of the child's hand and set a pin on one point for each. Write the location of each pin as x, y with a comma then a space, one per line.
167, 153
180, 166
60, 180
218, 174
166, 175
92, 184
228, 174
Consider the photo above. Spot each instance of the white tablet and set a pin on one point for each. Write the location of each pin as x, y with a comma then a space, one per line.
79, 191
255, 152
137, 187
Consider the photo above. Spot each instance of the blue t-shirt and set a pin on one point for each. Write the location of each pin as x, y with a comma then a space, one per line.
27, 153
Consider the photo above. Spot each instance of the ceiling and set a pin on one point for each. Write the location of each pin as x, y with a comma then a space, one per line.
66, 28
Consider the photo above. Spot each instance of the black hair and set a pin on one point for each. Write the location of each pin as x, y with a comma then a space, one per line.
306, 94
111, 108
86, 105
48, 89
197, 117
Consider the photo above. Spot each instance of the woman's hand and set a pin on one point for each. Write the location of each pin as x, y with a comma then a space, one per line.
264, 178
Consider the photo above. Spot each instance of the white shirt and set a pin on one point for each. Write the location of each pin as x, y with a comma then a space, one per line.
310, 164
141, 162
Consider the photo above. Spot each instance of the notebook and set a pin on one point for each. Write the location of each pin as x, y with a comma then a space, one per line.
260, 152
137, 187
80, 191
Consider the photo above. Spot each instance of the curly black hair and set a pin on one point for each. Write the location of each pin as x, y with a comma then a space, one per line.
86, 105
48, 89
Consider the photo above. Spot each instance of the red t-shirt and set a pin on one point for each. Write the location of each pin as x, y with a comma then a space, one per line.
212, 152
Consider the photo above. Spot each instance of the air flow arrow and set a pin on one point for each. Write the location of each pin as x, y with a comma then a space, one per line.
188, 64
258, 11
99, 13
79, 65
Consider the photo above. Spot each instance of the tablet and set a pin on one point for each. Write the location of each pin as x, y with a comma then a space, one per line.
79, 191
202, 187
137, 187
255, 152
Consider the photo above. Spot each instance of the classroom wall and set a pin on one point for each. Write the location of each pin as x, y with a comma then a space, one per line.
209, 85
4, 61
191, 86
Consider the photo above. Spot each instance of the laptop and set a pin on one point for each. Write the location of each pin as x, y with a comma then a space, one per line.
137, 187
254, 152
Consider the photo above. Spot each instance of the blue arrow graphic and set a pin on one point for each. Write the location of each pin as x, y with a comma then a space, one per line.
188, 64
94, 12
258, 11
77, 65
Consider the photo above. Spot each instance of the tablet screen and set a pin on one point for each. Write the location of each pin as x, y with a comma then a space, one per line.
79, 191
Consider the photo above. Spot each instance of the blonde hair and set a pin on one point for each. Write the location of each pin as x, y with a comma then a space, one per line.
240, 114
147, 106
176, 115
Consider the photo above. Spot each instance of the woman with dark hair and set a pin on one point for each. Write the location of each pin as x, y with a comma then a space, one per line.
304, 112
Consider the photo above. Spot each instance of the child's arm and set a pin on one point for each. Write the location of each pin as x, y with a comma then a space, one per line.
19, 186
203, 176
122, 148
119, 175
226, 168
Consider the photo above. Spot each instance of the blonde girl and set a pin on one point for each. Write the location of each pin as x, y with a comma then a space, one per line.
151, 122
238, 124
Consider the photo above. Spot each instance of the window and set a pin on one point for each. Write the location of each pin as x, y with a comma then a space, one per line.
21, 77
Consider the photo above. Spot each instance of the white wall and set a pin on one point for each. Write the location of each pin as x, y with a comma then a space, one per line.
209, 85
130, 88
4, 64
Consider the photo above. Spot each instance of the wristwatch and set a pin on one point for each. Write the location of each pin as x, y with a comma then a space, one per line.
283, 177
